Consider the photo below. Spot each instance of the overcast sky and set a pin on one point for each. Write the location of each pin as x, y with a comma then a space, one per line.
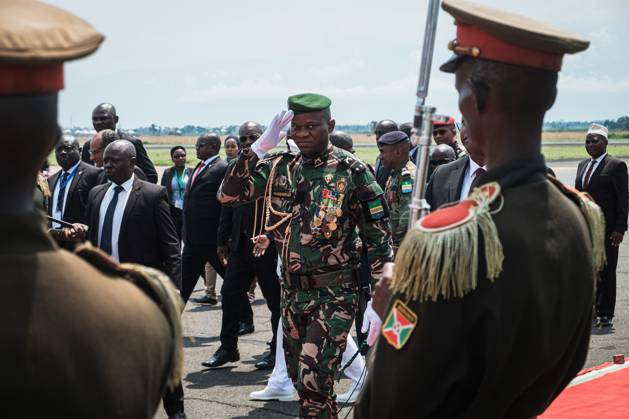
222, 62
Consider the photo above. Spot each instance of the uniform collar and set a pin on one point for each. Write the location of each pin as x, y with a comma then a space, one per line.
516, 173
320, 159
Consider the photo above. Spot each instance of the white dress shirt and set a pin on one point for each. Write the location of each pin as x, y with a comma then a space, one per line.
469, 177
599, 159
55, 195
123, 197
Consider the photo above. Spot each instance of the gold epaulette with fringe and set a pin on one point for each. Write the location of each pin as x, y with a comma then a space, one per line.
439, 255
593, 217
156, 285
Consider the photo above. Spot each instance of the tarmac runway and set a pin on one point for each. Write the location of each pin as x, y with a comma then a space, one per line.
223, 393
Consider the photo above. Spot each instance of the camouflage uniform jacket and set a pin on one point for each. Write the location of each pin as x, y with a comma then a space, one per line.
313, 206
398, 193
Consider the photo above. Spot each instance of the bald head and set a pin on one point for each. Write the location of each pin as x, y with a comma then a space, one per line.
442, 154
104, 117
67, 152
208, 145
384, 126
119, 161
248, 133
342, 140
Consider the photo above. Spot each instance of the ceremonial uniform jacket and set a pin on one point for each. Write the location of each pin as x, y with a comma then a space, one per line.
508, 347
314, 206
398, 193
76, 342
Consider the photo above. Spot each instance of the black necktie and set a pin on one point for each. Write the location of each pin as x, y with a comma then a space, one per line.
62, 191
105, 238
586, 181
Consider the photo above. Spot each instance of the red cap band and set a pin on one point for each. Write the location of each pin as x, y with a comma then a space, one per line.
22, 79
469, 38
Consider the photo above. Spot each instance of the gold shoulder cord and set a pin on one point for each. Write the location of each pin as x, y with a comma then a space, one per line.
267, 209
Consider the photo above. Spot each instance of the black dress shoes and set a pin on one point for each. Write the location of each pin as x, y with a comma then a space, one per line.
222, 357
245, 329
178, 415
206, 300
266, 363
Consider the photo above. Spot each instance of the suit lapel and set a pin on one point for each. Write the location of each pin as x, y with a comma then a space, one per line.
599, 169
455, 183
95, 215
133, 197
52, 185
203, 171
75, 180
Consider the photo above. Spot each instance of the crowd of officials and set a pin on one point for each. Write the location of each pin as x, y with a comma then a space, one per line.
482, 316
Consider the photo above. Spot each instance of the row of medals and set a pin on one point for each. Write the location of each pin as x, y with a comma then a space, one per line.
325, 221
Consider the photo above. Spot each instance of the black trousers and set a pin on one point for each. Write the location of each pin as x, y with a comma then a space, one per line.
173, 400
177, 215
241, 269
193, 262
606, 289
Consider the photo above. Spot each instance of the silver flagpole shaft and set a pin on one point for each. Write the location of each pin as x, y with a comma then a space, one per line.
422, 121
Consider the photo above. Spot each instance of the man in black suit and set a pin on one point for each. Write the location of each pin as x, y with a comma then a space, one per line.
605, 178
452, 181
130, 219
71, 185
104, 117
201, 214
235, 248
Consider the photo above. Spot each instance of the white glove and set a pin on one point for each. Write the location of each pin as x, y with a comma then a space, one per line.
371, 323
271, 136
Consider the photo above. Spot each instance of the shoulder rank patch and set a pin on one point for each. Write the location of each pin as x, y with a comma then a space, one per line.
375, 209
439, 255
399, 325
407, 186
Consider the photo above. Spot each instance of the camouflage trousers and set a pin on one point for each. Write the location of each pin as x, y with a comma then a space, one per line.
316, 324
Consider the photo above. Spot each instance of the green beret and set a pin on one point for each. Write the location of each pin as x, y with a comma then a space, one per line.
308, 102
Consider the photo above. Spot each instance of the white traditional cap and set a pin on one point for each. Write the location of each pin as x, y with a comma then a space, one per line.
598, 129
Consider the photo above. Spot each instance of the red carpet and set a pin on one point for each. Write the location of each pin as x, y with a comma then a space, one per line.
593, 395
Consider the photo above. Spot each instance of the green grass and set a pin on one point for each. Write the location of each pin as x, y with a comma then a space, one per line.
162, 157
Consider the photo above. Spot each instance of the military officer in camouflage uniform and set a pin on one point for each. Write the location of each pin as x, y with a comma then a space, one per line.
394, 147
314, 202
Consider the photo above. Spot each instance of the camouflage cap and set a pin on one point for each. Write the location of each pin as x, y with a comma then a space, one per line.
308, 102
36, 38
491, 34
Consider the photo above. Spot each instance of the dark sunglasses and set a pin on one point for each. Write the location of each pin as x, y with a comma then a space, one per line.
251, 137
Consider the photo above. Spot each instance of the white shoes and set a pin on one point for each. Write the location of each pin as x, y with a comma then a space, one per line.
270, 393
350, 395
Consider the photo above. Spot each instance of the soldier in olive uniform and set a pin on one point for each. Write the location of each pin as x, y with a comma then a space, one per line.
491, 305
78, 341
398, 191
314, 202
